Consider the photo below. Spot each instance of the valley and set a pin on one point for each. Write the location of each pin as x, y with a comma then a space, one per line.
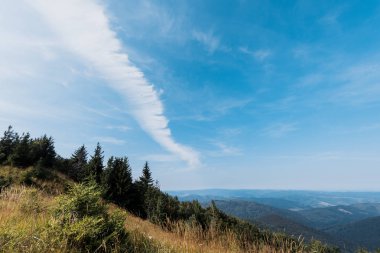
349, 220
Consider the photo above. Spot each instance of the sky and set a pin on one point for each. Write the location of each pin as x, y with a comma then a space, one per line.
213, 94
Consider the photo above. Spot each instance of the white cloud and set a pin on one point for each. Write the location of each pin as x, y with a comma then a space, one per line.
302, 52
208, 39
279, 129
360, 84
310, 80
259, 55
227, 150
151, 18
231, 132
84, 30
109, 140
119, 128
160, 158
345, 83
331, 18
262, 54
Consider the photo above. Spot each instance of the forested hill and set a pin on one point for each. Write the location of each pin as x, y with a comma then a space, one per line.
65, 198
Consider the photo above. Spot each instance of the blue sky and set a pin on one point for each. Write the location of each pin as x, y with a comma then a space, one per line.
226, 94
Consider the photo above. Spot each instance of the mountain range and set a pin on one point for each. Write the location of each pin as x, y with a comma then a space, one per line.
350, 220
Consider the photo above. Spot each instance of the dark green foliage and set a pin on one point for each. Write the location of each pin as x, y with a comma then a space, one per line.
146, 179
361, 233
95, 165
78, 164
62, 164
24, 151
7, 144
141, 191
41, 171
43, 151
118, 181
272, 218
21, 155
160, 207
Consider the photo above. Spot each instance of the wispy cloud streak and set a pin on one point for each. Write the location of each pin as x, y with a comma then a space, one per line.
84, 28
259, 55
209, 40
279, 130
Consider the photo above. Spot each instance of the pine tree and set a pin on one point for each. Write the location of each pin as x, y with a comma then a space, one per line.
20, 156
146, 177
118, 181
7, 144
95, 165
78, 164
48, 153
141, 190
43, 151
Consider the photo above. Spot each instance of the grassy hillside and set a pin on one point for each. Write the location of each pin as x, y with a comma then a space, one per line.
55, 204
33, 218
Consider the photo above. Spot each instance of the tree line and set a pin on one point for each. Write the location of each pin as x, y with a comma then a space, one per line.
141, 197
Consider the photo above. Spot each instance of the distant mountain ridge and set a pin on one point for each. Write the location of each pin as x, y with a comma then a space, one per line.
347, 219
362, 234
275, 219
286, 199
324, 218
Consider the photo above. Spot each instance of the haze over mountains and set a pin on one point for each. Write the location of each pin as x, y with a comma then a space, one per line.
348, 219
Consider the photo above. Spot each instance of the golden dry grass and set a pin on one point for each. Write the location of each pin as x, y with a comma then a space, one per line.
192, 239
26, 215
16, 175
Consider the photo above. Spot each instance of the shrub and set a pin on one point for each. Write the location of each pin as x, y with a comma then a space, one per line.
82, 219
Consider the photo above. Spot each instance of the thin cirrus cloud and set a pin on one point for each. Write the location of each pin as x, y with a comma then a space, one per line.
208, 39
110, 140
259, 55
279, 130
84, 29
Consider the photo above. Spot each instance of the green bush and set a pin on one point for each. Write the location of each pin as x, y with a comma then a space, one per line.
317, 246
83, 221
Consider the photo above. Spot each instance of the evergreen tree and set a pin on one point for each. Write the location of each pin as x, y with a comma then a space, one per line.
146, 177
118, 181
142, 192
78, 164
20, 156
7, 144
62, 164
95, 165
152, 204
43, 151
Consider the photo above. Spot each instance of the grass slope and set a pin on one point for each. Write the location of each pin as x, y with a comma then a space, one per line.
29, 222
